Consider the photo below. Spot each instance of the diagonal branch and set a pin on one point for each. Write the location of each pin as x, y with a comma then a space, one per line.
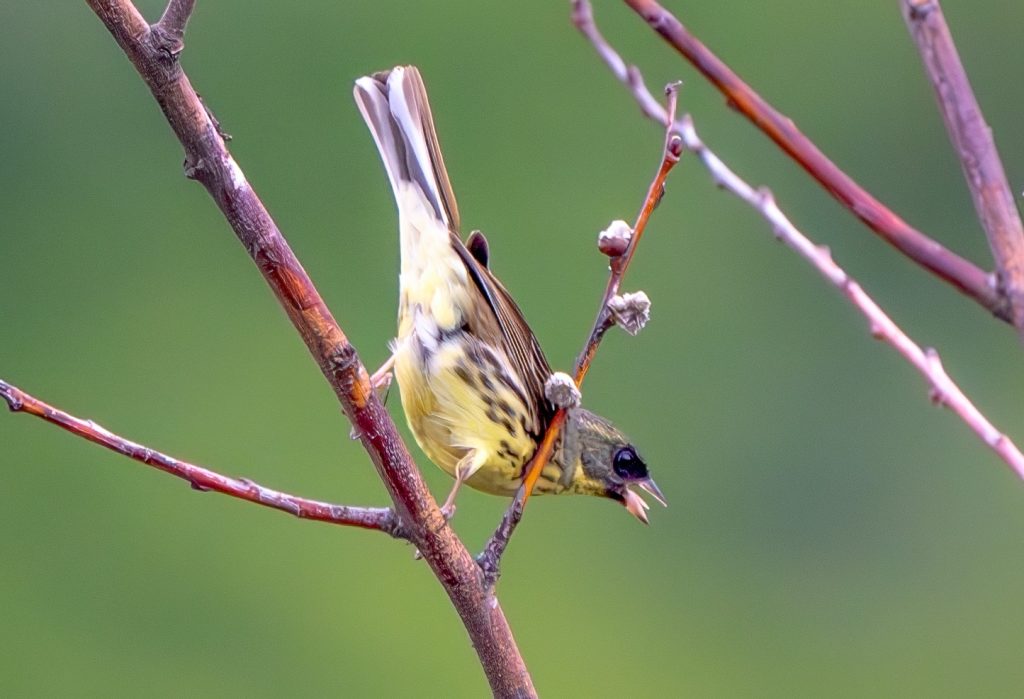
208, 161
974, 145
945, 264
379, 518
944, 391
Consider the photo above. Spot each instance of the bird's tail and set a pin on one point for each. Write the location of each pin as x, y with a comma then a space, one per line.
394, 105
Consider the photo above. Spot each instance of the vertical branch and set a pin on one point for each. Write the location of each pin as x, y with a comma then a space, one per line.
155, 55
975, 147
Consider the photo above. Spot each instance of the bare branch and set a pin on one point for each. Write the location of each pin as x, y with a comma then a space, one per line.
974, 145
944, 391
208, 160
173, 22
490, 559
928, 253
202, 479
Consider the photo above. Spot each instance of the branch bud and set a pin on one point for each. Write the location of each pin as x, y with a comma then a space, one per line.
561, 390
614, 239
631, 311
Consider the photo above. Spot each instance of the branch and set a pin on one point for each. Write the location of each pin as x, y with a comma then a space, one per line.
490, 559
944, 391
975, 147
208, 161
173, 22
379, 518
945, 264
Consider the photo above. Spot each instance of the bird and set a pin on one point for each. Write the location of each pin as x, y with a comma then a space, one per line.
470, 371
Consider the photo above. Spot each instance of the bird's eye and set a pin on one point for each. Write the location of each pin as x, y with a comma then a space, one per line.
628, 465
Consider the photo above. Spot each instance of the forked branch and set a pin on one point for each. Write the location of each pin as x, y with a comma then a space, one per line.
173, 22
975, 147
944, 391
928, 253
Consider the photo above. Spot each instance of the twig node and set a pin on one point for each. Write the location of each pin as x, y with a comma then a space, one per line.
562, 391
614, 239
631, 311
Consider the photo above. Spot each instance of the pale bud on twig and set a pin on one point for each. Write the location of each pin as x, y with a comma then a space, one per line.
562, 391
614, 239
631, 311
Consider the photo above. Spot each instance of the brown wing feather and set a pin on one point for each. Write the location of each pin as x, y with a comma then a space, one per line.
512, 334
506, 328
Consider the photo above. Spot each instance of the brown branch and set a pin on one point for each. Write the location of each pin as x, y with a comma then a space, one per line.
944, 391
945, 264
173, 22
975, 147
208, 160
202, 479
490, 559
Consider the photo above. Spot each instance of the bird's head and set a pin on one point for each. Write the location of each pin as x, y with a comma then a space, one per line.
603, 462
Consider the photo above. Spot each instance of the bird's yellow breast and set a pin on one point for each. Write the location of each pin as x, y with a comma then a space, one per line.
457, 406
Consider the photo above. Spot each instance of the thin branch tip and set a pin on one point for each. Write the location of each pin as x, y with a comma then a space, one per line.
199, 478
10, 395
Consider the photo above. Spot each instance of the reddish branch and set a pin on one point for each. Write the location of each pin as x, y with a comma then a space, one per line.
947, 265
616, 272
380, 518
975, 147
154, 53
491, 557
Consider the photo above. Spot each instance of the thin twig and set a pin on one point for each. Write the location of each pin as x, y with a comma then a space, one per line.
202, 479
928, 253
944, 391
208, 160
490, 558
975, 147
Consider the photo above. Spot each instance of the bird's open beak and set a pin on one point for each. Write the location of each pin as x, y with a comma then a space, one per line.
636, 504
651, 487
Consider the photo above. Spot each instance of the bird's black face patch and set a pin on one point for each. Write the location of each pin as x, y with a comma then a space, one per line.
628, 465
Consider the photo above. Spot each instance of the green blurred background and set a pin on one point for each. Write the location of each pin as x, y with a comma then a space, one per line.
830, 532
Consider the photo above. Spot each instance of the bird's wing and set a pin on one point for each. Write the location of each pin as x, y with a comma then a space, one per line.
506, 328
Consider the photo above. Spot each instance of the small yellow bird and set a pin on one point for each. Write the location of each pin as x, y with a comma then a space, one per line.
470, 371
